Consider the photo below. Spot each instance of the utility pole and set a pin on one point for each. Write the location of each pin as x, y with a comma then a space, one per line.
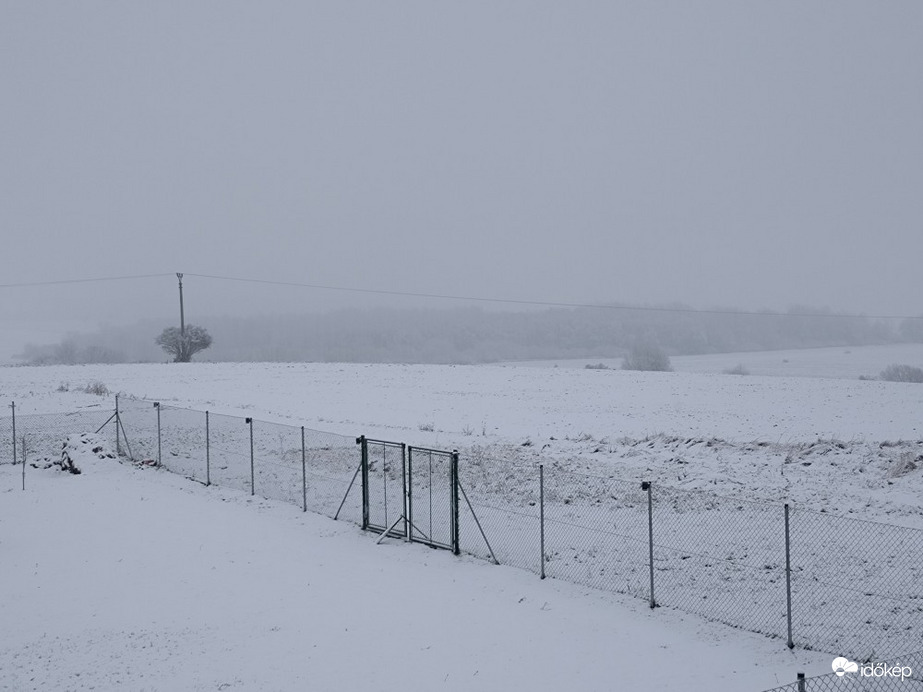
182, 317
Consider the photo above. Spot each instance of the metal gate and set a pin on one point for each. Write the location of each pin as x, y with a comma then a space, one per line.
410, 492
432, 497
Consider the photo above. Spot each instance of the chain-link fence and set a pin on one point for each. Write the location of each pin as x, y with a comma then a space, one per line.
857, 586
722, 558
41, 437
894, 675
854, 588
808, 578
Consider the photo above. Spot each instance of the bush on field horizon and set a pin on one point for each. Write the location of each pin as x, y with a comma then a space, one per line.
647, 357
902, 373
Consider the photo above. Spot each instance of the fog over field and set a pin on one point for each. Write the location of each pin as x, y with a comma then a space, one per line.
718, 155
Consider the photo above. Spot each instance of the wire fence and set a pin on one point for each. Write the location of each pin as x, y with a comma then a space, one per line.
42, 436
310, 468
811, 579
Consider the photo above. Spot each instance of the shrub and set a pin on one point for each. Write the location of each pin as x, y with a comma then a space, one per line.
647, 357
738, 369
902, 373
97, 388
598, 366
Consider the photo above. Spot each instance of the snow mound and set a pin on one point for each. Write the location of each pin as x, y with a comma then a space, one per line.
78, 451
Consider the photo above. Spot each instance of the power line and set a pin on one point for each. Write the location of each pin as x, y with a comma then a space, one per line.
477, 299
546, 303
83, 281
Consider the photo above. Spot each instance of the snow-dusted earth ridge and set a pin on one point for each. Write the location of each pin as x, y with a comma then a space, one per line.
204, 588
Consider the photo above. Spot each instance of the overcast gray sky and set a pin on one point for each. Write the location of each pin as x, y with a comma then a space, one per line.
716, 153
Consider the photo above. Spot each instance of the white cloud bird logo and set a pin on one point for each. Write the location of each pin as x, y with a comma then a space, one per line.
841, 666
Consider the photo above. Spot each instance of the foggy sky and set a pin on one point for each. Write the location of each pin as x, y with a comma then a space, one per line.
716, 153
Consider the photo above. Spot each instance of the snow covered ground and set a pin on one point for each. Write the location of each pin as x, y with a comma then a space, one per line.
188, 598
762, 429
844, 362
127, 578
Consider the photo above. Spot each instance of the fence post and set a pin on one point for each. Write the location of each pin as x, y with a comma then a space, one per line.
364, 465
208, 452
788, 577
23, 461
304, 476
802, 685
409, 514
252, 472
159, 460
13, 406
456, 547
404, 514
541, 513
118, 445
647, 485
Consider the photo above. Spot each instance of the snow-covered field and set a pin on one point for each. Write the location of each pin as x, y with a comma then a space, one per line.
134, 578
845, 362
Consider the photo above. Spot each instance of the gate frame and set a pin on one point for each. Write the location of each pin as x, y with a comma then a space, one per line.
453, 499
407, 494
367, 524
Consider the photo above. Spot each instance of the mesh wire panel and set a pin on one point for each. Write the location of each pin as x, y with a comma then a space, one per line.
386, 485
6, 436
722, 558
277, 455
44, 435
857, 586
430, 479
139, 421
229, 443
897, 674
506, 506
331, 480
182, 438
596, 532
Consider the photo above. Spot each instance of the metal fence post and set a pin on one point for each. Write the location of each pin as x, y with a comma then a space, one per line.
456, 534
118, 445
409, 514
647, 485
13, 406
252, 472
304, 476
802, 684
404, 514
23, 462
159, 459
788, 577
541, 513
208, 452
364, 465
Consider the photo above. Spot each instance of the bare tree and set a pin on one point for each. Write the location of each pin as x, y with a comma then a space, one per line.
182, 346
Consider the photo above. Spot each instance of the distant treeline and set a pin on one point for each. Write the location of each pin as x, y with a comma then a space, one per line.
473, 335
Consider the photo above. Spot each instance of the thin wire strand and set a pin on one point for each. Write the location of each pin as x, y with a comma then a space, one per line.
478, 299
548, 303
59, 282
